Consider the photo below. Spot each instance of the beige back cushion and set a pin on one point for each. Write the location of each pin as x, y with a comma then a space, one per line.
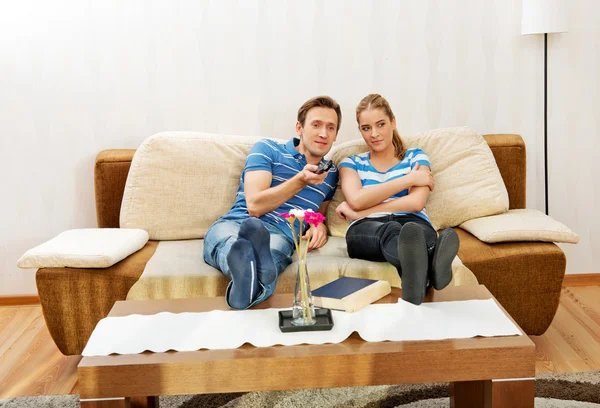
181, 182
468, 183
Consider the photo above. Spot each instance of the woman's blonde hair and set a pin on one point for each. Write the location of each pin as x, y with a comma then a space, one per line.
376, 101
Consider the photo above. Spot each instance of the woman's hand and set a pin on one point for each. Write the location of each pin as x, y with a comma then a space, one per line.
345, 212
421, 177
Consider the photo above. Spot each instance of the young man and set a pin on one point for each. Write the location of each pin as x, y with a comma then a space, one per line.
252, 244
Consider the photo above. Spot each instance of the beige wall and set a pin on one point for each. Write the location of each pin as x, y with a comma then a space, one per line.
574, 132
81, 76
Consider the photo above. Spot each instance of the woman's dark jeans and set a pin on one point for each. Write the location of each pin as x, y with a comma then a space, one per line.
376, 239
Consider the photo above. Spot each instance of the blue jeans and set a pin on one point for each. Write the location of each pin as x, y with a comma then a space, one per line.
224, 232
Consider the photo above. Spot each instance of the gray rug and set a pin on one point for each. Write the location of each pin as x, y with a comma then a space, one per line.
552, 391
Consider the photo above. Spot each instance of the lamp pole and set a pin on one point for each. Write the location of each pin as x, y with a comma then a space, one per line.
543, 17
546, 121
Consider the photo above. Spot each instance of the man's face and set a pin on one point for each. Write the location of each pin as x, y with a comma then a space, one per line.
318, 134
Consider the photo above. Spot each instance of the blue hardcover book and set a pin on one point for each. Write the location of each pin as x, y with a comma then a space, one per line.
350, 294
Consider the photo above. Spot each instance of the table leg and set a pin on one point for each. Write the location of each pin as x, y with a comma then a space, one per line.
144, 402
467, 394
512, 392
132, 402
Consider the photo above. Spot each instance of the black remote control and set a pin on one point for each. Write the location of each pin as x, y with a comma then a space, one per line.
323, 167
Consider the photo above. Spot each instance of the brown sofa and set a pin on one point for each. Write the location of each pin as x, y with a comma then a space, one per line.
525, 277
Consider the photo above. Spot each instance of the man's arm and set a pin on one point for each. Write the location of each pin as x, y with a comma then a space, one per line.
262, 198
360, 198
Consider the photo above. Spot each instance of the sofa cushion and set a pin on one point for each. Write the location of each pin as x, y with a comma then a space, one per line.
177, 270
520, 225
468, 183
85, 248
181, 182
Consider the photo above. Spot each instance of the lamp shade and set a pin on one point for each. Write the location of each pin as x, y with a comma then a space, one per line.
544, 16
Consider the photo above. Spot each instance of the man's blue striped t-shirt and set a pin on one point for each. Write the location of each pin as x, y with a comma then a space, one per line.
370, 176
284, 162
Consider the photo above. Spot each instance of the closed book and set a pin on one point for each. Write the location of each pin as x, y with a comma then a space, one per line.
350, 294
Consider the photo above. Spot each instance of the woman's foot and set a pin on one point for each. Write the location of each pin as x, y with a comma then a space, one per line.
445, 250
412, 250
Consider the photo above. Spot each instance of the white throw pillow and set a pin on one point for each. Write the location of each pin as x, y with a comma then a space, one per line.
85, 248
520, 225
181, 182
468, 183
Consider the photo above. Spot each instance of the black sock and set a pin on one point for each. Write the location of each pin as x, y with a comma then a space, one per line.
242, 265
254, 231
445, 250
414, 260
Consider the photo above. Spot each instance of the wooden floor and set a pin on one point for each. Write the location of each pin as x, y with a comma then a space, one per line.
30, 363
572, 342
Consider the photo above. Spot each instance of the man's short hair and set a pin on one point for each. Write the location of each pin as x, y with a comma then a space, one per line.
320, 102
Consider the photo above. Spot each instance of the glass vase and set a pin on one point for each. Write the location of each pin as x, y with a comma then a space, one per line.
303, 310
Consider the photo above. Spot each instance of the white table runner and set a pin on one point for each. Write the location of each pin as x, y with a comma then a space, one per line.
219, 329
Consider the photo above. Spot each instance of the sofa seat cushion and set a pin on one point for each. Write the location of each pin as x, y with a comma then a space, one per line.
525, 277
177, 270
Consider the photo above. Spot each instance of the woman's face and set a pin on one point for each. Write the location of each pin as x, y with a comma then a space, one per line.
377, 129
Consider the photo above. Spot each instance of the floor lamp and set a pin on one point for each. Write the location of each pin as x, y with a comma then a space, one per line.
544, 17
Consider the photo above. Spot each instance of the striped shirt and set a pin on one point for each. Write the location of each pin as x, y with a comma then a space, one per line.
283, 161
370, 176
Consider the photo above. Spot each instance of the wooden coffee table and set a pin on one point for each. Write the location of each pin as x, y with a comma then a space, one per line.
483, 371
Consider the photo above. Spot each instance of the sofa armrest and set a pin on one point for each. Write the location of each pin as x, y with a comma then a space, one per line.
74, 300
509, 152
110, 175
525, 277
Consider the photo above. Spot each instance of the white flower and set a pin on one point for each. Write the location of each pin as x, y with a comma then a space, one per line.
299, 213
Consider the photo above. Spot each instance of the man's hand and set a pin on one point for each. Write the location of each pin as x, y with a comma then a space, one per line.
421, 177
308, 175
345, 212
317, 236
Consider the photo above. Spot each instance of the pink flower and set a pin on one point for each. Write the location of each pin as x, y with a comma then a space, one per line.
311, 217
314, 218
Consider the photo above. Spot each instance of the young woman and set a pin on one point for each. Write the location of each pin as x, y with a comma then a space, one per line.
386, 190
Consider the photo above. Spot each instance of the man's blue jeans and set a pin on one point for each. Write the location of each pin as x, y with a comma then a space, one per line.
224, 232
